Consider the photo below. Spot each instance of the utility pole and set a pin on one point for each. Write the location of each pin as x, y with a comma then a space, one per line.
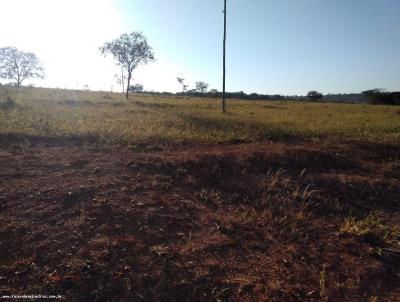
224, 61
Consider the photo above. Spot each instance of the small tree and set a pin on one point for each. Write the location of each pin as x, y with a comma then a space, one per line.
201, 86
314, 95
129, 50
136, 88
182, 82
19, 65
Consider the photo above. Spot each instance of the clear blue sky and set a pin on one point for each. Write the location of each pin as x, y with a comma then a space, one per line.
276, 46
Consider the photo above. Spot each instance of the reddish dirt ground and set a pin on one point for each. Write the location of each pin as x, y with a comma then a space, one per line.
207, 223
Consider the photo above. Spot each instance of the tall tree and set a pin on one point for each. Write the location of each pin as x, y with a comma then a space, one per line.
19, 65
129, 50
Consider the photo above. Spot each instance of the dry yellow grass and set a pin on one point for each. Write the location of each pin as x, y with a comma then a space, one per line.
172, 120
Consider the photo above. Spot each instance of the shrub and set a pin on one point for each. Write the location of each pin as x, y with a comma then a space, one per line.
314, 95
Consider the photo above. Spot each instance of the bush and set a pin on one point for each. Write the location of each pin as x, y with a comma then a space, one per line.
314, 95
136, 88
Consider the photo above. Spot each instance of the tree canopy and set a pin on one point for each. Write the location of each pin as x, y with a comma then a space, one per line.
201, 86
18, 65
129, 51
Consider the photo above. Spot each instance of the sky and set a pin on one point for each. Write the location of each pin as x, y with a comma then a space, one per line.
274, 46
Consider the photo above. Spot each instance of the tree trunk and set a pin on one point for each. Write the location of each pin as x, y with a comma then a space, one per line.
122, 79
128, 83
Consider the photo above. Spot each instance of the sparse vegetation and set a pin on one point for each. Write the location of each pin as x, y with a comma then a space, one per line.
170, 120
375, 229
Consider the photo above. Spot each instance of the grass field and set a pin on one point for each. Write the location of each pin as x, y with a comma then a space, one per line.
167, 199
164, 121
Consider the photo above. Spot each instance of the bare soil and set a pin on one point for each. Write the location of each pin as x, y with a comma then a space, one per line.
201, 223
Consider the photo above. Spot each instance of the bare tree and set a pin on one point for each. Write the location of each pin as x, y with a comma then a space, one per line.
129, 50
19, 65
201, 86
182, 82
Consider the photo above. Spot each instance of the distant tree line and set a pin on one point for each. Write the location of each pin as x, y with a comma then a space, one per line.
213, 93
352, 98
380, 97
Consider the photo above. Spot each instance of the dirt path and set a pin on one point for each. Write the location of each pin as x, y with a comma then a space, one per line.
219, 223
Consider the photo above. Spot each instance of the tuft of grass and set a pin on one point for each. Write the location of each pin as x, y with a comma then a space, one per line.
374, 229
